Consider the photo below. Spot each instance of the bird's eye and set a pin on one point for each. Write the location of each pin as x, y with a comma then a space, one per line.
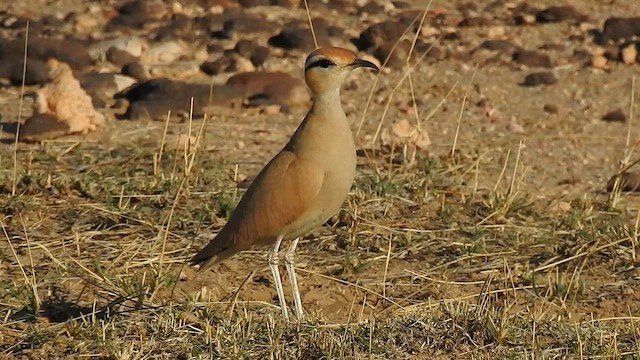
323, 63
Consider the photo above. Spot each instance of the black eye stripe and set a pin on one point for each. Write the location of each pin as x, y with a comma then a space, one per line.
323, 63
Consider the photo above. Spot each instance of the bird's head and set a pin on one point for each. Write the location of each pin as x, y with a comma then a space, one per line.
326, 68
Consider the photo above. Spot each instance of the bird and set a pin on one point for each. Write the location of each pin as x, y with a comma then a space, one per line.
304, 184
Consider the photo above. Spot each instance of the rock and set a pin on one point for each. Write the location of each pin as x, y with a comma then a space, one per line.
131, 45
525, 19
135, 70
396, 59
226, 33
85, 23
552, 46
37, 72
429, 32
611, 52
165, 52
401, 4
629, 52
253, 3
498, 45
267, 88
617, 28
9, 21
179, 26
539, 78
598, 62
256, 53
137, 14
271, 109
241, 64
629, 181
402, 132
215, 67
379, 34
103, 86
260, 56
432, 51
550, 108
40, 127
531, 58
560, 13
119, 57
153, 99
496, 32
289, 4
246, 47
615, 116
298, 36
474, 22
234, 21
229, 62
55, 21
71, 51
62, 100
371, 8
151, 10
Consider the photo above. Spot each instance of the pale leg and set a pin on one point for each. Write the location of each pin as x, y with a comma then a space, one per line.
289, 265
273, 265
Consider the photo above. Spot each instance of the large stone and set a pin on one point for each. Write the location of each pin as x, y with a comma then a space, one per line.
540, 78
560, 13
103, 86
37, 72
62, 107
531, 58
379, 34
261, 87
297, 35
153, 99
40, 127
71, 51
618, 28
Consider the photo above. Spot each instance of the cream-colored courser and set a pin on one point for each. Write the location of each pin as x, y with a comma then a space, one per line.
302, 186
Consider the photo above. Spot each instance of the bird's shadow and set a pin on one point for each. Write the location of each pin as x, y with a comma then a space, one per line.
58, 309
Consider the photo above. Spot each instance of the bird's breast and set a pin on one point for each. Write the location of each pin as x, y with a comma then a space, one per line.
335, 154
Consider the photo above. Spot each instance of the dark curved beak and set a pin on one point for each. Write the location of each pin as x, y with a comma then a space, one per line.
364, 63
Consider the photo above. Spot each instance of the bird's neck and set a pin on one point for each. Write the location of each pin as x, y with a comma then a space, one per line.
327, 105
326, 123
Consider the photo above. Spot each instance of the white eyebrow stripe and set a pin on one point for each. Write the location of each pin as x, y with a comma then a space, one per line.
313, 59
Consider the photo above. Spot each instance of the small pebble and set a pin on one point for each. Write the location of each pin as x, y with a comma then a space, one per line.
598, 62
550, 108
539, 78
615, 116
629, 54
531, 58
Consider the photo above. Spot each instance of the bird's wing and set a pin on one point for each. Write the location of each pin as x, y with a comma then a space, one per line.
279, 195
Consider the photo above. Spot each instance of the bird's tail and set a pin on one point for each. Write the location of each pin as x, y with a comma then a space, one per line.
210, 256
